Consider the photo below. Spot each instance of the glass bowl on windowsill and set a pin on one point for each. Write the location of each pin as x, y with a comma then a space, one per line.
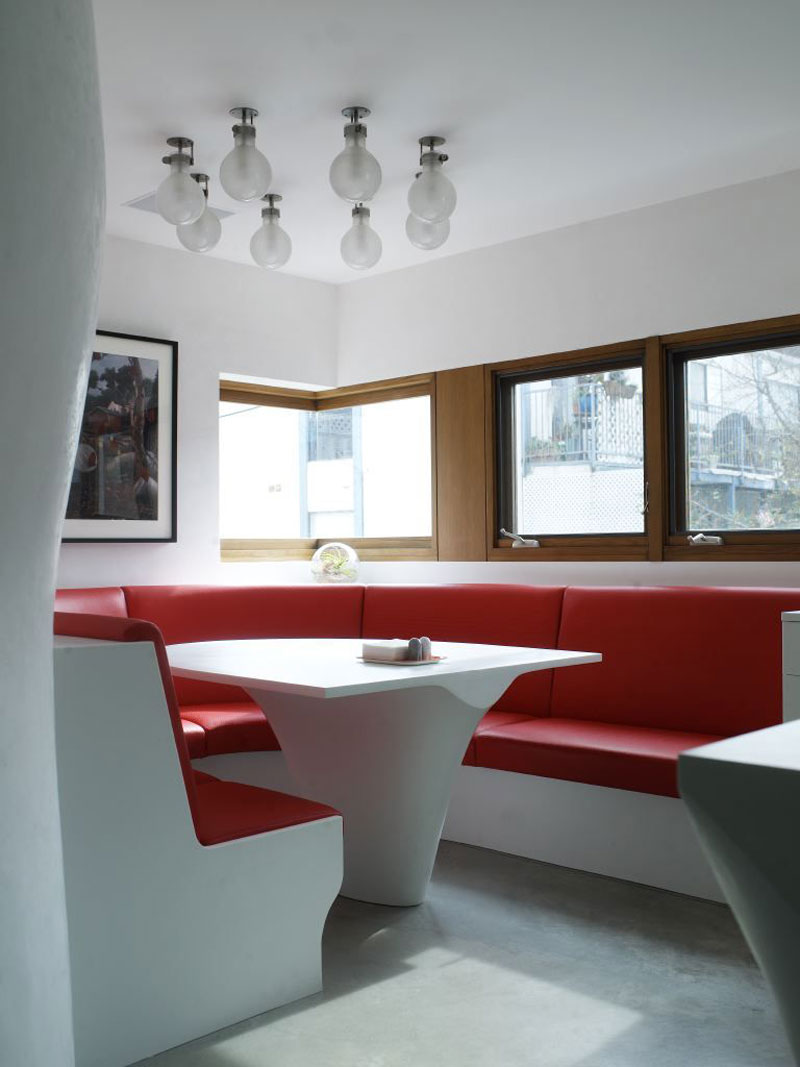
334, 563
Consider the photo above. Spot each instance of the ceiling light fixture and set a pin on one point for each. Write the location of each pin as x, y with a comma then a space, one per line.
426, 235
355, 174
361, 247
432, 196
204, 233
271, 245
245, 173
179, 199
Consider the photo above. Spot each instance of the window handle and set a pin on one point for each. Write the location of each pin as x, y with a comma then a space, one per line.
646, 507
704, 539
518, 541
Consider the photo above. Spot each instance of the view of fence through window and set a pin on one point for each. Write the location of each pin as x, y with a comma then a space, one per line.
742, 418
347, 472
579, 454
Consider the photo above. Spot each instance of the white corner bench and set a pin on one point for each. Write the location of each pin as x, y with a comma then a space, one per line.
169, 939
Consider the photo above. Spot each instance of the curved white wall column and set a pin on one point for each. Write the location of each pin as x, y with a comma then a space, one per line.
50, 223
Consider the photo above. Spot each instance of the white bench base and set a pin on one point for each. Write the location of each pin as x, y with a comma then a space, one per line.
169, 940
634, 836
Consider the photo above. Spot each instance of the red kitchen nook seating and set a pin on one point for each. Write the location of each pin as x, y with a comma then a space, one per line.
681, 666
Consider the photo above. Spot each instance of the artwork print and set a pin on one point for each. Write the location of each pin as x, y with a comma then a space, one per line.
123, 481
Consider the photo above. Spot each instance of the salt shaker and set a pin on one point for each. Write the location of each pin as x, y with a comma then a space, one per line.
425, 642
415, 649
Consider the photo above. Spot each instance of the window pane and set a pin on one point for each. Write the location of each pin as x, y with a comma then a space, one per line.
348, 472
579, 454
259, 456
396, 468
743, 441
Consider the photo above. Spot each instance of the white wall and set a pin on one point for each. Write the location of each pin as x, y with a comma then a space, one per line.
226, 318
726, 256
730, 255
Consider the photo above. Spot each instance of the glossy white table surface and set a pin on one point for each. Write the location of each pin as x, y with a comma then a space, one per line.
329, 667
379, 742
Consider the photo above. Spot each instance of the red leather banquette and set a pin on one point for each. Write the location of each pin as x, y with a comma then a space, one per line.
681, 666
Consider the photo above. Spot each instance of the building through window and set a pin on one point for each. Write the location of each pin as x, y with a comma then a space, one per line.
573, 462
739, 440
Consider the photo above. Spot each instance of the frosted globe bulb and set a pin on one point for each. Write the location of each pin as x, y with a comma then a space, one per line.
245, 173
179, 199
361, 247
202, 234
432, 196
427, 235
355, 174
271, 245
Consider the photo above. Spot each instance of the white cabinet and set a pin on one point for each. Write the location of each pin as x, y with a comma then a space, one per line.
791, 665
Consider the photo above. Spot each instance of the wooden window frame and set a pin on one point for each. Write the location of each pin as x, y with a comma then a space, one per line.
588, 547
249, 550
464, 451
678, 349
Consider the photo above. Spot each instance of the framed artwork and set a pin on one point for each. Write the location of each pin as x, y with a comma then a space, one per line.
123, 485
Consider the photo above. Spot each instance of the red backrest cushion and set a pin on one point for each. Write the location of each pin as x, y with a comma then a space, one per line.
112, 628
218, 613
700, 659
483, 614
109, 600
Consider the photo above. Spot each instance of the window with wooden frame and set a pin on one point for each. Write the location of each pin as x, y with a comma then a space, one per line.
569, 468
734, 442
299, 468
623, 452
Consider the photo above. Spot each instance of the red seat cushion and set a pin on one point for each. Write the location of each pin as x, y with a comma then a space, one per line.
218, 613
195, 738
695, 659
109, 600
483, 614
236, 727
227, 810
599, 753
489, 721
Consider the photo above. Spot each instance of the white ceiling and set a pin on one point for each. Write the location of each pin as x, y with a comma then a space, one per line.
555, 111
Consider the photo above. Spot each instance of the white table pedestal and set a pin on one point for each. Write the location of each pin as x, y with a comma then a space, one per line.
379, 742
387, 761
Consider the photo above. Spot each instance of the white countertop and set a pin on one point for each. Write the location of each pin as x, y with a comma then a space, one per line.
775, 746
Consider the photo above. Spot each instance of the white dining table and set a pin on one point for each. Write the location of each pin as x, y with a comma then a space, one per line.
380, 742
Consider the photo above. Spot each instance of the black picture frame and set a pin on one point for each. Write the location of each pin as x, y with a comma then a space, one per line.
140, 438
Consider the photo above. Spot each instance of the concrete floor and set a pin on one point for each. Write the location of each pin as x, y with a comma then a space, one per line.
513, 962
